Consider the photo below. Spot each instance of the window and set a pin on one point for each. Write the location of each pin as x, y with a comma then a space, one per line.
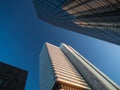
3, 82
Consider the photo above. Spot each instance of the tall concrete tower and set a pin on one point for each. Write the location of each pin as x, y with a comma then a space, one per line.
63, 68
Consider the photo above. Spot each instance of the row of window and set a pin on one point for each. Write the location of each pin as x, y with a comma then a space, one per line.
63, 86
89, 8
73, 83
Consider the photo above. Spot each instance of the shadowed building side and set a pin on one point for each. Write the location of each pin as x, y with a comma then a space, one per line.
12, 78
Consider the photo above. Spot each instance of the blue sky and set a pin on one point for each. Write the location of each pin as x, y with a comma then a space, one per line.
22, 35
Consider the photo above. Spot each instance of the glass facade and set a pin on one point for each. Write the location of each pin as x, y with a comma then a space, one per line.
12, 78
99, 14
96, 18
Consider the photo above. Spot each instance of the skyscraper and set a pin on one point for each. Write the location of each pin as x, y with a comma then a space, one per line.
12, 78
96, 18
63, 68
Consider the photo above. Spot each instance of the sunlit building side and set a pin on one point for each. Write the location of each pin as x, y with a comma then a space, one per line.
63, 68
57, 73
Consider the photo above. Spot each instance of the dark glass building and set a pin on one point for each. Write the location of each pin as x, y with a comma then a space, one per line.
12, 78
96, 18
63, 68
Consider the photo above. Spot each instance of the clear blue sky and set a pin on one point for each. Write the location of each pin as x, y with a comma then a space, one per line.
22, 36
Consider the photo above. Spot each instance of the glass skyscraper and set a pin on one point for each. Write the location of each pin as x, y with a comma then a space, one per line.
96, 18
63, 68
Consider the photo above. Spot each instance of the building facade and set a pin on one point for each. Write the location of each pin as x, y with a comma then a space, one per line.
12, 78
63, 68
96, 18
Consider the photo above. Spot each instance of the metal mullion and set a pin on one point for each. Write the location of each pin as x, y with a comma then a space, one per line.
46, 5
56, 8
88, 9
101, 15
59, 5
81, 3
70, 8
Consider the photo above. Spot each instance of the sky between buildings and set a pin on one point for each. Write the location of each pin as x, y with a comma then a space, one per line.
23, 34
